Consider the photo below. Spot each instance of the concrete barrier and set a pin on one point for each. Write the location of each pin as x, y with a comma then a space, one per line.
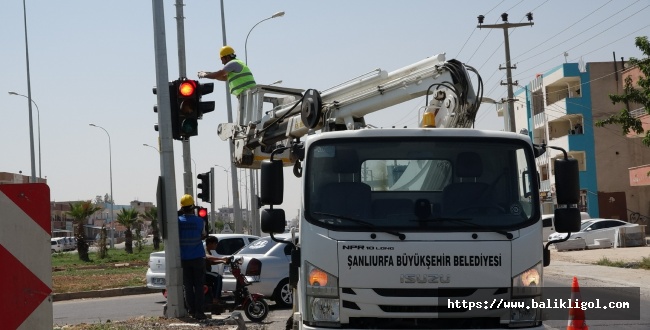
572, 244
103, 293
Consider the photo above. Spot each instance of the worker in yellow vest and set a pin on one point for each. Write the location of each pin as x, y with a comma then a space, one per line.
236, 72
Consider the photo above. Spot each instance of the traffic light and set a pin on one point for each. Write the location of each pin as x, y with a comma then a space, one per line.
188, 112
174, 110
188, 107
202, 212
204, 187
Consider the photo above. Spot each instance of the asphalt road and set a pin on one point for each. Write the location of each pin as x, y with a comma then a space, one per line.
126, 307
101, 310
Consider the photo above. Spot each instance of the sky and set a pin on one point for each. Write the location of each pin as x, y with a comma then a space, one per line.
94, 62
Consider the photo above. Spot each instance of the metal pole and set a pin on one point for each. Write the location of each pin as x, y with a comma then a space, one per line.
509, 116
511, 108
233, 168
253, 217
227, 189
194, 178
29, 99
212, 198
278, 14
38, 113
175, 305
188, 177
150, 146
110, 167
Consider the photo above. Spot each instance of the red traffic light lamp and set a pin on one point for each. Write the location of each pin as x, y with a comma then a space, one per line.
187, 88
203, 212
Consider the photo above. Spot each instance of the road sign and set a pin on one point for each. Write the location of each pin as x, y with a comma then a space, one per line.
26, 279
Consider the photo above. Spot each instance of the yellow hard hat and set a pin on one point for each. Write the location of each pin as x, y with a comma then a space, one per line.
225, 51
187, 200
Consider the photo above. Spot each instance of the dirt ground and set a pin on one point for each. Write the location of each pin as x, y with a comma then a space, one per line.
628, 254
156, 323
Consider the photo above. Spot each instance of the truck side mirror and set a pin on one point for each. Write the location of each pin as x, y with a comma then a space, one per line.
567, 186
273, 221
271, 183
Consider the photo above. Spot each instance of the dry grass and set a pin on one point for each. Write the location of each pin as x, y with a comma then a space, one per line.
98, 277
118, 270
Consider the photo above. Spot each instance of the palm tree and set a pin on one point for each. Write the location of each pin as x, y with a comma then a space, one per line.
128, 218
152, 215
80, 212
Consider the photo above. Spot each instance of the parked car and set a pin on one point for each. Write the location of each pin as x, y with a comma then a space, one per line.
58, 244
70, 243
593, 229
227, 246
548, 224
273, 282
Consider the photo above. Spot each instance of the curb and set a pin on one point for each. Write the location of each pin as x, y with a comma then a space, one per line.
103, 293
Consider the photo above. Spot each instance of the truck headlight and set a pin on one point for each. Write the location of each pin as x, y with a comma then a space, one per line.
322, 292
527, 286
528, 283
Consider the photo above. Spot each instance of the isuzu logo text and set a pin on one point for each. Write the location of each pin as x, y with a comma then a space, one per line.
424, 278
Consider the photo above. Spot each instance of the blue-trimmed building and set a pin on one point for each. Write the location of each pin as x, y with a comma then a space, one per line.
559, 108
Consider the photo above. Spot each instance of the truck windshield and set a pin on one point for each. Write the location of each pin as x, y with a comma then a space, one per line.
407, 184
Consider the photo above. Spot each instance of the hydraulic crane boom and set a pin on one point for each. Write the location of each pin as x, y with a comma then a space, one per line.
454, 103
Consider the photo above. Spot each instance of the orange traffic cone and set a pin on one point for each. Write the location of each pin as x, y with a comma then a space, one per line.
576, 314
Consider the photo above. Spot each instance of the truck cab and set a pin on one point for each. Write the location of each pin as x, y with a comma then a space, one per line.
400, 225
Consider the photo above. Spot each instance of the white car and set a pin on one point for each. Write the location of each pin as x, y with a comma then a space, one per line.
273, 282
70, 243
595, 229
58, 244
227, 246
548, 225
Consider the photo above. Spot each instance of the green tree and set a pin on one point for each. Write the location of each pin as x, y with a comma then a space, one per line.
80, 212
632, 94
103, 251
128, 219
152, 215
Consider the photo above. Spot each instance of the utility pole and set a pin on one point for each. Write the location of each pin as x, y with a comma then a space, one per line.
168, 205
188, 178
233, 169
509, 117
212, 198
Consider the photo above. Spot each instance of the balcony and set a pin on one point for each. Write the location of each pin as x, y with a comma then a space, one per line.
539, 120
545, 185
542, 160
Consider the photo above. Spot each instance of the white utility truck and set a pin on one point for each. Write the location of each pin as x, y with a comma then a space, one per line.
436, 227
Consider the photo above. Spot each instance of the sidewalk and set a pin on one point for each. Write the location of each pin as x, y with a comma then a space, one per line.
581, 263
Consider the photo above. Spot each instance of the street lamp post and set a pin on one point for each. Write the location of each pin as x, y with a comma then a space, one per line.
110, 167
227, 189
29, 98
38, 112
150, 146
278, 14
194, 179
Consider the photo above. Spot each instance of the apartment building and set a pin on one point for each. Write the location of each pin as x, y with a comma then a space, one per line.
559, 108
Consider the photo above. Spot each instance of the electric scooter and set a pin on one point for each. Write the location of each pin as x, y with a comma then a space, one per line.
253, 304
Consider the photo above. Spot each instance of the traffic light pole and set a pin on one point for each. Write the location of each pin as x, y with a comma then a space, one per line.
175, 305
233, 169
212, 198
188, 178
